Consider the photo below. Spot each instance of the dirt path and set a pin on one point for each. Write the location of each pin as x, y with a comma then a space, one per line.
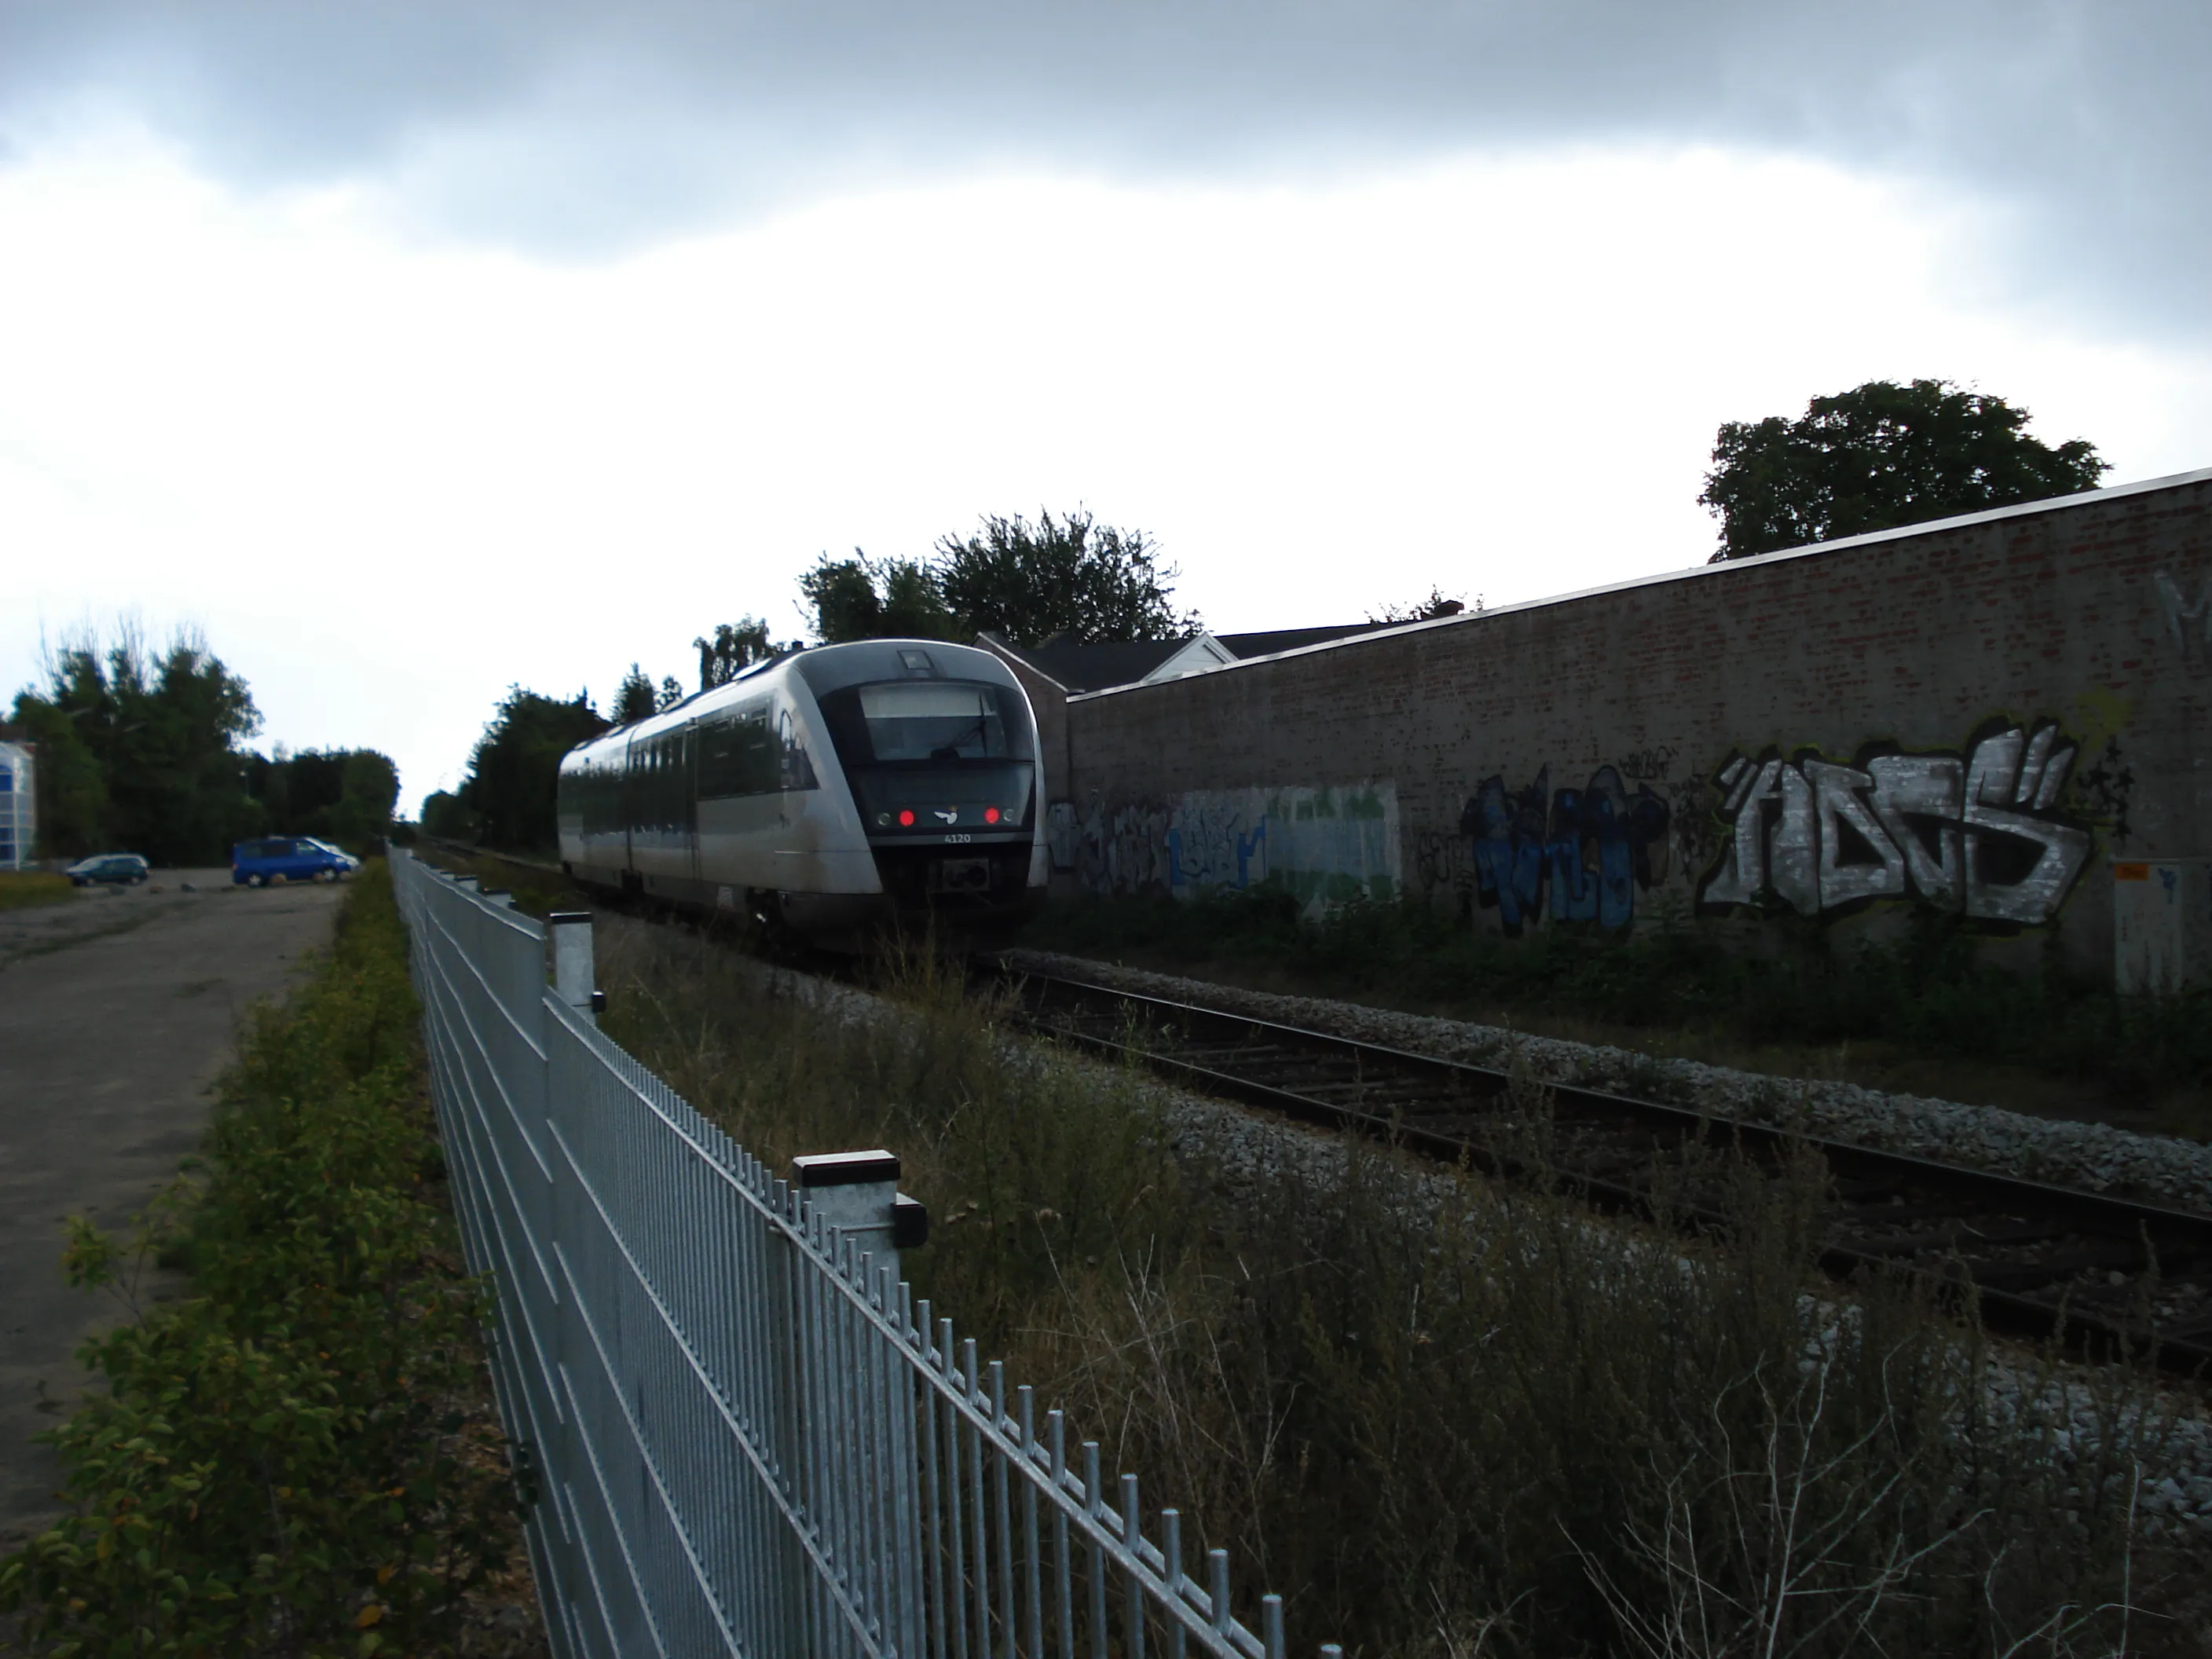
116, 1013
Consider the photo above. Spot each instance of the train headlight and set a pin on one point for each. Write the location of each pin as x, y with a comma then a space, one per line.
883, 817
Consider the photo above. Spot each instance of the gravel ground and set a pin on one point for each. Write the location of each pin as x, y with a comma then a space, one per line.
2152, 1169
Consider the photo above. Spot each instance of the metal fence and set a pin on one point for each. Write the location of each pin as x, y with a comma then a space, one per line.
744, 1435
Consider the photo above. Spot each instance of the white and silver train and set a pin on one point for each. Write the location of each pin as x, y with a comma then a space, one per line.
828, 793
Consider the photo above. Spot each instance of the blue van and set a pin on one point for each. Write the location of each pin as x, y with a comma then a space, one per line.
278, 858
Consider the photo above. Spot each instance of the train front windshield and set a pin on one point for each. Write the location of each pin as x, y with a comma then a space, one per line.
929, 757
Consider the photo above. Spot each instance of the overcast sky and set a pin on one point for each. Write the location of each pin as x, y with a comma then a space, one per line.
416, 349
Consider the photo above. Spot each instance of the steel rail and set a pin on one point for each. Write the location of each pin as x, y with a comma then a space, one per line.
2149, 1238
2142, 1240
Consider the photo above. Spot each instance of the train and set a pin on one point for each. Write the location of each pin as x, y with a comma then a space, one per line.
832, 793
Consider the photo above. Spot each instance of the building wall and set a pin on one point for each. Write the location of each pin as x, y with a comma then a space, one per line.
18, 808
1049, 699
1975, 717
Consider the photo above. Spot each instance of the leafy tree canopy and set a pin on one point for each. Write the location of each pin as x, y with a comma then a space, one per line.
443, 815
633, 699
733, 648
515, 768
865, 598
1070, 576
141, 750
1878, 456
344, 796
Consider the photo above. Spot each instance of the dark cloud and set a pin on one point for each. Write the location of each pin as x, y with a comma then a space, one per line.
577, 129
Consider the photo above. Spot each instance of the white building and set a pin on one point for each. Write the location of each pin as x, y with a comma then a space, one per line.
17, 814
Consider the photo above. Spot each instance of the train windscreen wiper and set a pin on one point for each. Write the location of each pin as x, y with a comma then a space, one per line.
952, 750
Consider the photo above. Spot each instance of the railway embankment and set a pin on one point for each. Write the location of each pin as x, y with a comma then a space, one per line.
2100, 1156
1463, 1414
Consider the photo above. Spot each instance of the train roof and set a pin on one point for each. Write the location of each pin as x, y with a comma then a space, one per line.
823, 668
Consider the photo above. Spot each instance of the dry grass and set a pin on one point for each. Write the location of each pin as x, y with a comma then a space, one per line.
1447, 1416
22, 888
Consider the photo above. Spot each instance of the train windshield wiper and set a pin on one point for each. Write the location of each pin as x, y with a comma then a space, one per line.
952, 750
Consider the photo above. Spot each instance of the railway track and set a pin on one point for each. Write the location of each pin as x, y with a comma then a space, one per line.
2041, 1259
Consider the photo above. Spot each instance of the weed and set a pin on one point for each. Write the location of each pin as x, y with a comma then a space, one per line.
1449, 1415
1930, 991
21, 889
301, 1454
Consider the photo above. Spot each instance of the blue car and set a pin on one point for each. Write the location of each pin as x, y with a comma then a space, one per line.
275, 860
123, 869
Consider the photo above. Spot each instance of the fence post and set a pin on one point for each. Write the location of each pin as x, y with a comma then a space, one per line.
575, 972
857, 1193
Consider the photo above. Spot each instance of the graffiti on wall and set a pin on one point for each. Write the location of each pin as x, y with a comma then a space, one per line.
1983, 834
1322, 845
2189, 619
1123, 848
1578, 853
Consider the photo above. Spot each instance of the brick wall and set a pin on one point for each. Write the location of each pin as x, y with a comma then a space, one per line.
2080, 625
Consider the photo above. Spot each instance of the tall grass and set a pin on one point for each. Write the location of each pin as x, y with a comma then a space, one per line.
1448, 1416
1932, 989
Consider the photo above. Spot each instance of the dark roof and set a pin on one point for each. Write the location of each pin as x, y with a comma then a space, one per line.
1095, 667
1290, 639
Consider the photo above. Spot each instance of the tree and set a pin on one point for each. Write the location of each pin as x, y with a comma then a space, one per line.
733, 649
145, 748
445, 816
1437, 604
516, 766
633, 699
344, 796
1070, 576
865, 598
1878, 456
368, 791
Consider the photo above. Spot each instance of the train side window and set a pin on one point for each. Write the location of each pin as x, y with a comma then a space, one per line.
794, 768
737, 756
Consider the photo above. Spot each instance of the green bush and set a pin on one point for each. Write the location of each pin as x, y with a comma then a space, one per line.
298, 1458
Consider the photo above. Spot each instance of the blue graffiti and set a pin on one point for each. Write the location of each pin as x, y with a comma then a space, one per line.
1593, 848
1201, 860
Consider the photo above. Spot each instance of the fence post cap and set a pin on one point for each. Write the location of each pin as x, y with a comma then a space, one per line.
844, 1168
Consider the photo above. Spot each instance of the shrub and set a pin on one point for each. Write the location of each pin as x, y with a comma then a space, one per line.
299, 1457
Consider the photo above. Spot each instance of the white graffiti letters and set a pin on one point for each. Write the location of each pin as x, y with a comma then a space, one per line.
1976, 835
2191, 624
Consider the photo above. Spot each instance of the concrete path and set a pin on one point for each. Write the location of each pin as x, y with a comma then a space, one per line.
116, 1011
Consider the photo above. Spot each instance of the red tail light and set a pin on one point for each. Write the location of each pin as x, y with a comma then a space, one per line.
990, 815
905, 818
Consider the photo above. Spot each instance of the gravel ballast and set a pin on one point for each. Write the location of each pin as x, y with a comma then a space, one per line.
2151, 1169
2173, 1499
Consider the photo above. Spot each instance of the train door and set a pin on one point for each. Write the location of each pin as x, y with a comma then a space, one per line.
690, 776
629, 806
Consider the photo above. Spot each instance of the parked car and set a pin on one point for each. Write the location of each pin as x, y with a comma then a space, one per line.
125, 869
277, 858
